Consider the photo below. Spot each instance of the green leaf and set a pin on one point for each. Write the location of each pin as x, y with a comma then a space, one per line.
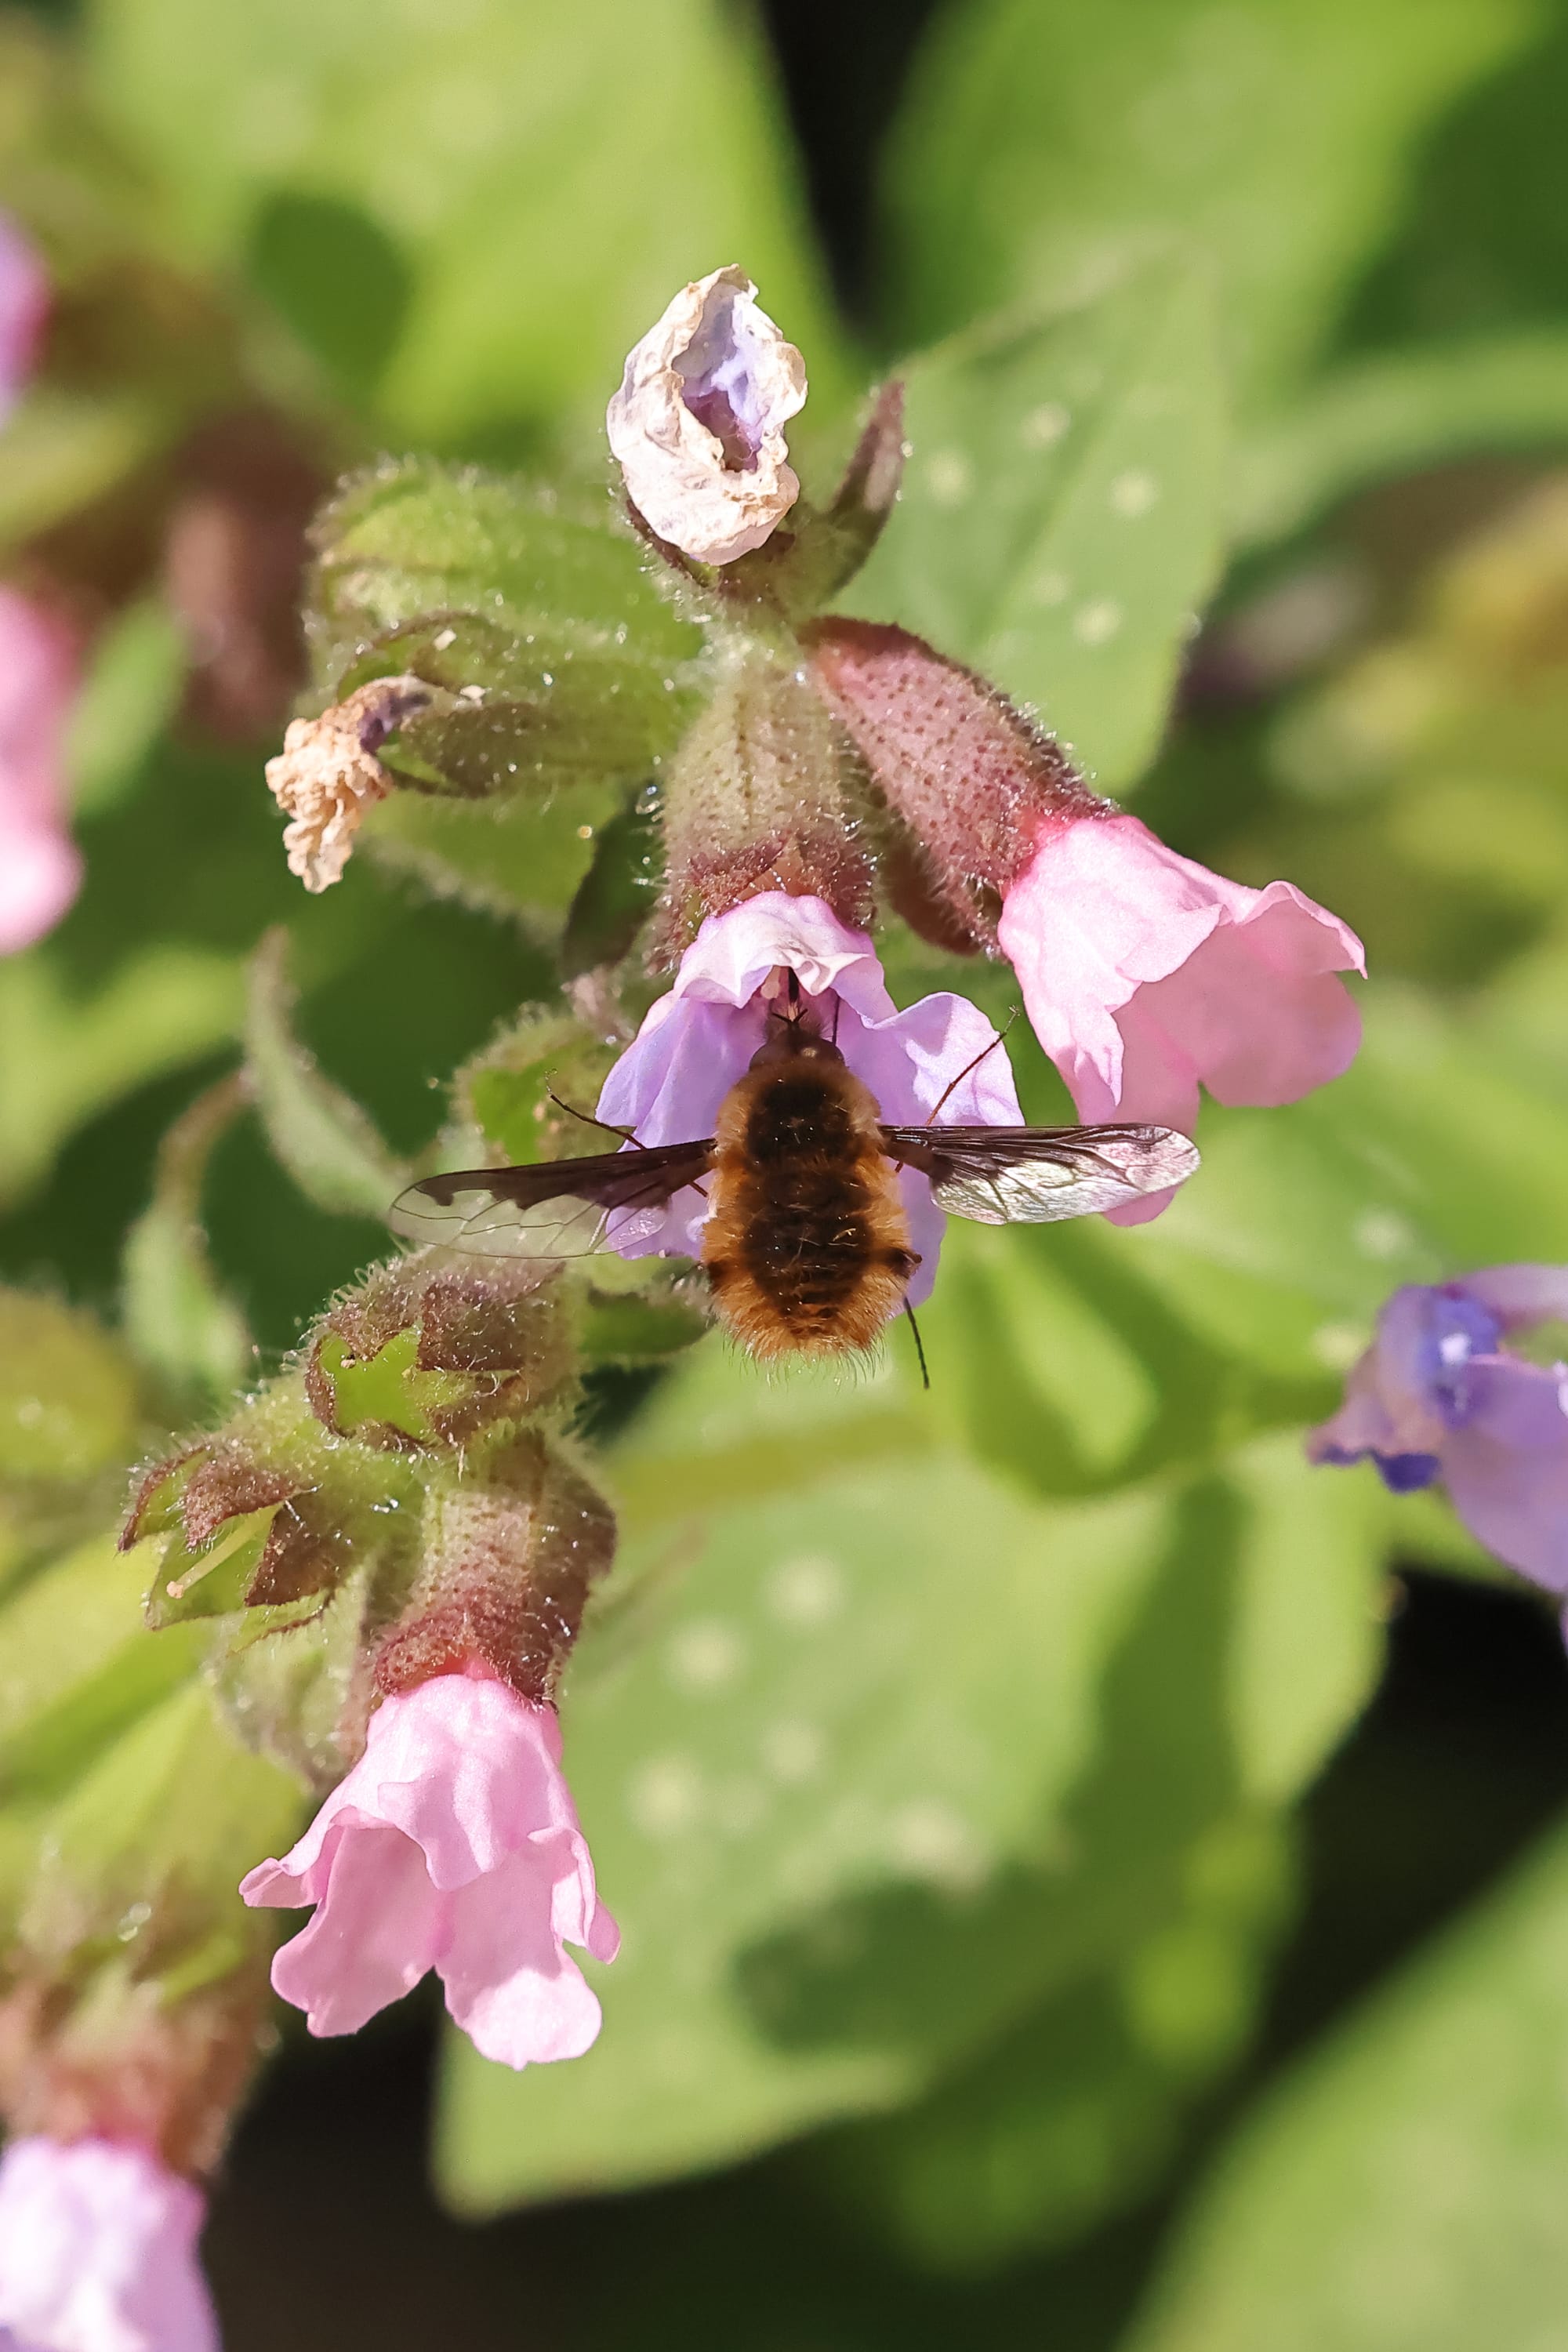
1040, 142
1401, 2189
69, 1050
1058, 526
548, 182
325, 1141
78, 1667
68, 1397
815, 1705
130, 692
177, 1317
65, 450
1396, 413
149, 1845
1257, 1643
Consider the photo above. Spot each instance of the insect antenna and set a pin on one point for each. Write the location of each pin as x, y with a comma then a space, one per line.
956, 1083
920, 1349
626, 1133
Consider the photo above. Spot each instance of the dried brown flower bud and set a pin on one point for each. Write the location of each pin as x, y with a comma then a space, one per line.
327, 777
697, 424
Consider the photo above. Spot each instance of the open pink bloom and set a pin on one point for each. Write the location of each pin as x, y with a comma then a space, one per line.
697, 1041
1438, 1396
41, 868
452, 1845
98, 2252
1144, 974
24, 304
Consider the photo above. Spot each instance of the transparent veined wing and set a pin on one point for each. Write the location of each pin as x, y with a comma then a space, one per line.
1039, 1175
554, 1208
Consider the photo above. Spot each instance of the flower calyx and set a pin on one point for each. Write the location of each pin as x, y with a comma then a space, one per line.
509, 1552
968, 778
430, 1350
765, 793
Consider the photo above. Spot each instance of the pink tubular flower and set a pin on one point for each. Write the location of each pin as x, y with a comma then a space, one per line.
1438, 1396
98, 2252
24, 304
697, 1041
1144, 974
452, 1845
40, 869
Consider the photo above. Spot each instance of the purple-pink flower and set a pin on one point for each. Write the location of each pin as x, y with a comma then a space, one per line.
24, 305
1438, 1396
1145, 975
97, 2250
41, 868
453, 1845
697, 1041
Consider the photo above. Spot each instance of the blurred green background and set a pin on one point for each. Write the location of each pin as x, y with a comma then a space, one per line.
1085, 1876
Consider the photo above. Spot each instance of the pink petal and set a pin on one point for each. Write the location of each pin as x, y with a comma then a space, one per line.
1144, 973
97, 2250
1521, 1295
460, 1791
510, 1985
39, 870
376, 1931
24, 305
733, 953
40, 874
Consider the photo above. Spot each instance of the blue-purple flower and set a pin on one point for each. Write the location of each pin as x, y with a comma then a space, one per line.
1440, 1396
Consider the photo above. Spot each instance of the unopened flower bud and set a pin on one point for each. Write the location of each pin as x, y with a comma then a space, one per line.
765, 793
967, 772
328, 777
697, 424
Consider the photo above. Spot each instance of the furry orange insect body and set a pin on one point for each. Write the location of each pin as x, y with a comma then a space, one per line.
807, 1246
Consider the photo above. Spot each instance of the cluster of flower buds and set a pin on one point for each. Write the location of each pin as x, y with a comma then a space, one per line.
399, 1542
834, 761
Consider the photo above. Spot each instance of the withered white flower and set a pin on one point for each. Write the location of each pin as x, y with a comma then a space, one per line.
327, 777
697, 424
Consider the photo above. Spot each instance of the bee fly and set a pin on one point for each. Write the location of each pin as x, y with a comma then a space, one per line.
807, 1243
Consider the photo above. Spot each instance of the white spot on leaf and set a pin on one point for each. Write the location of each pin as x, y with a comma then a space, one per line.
1043, 427
664, 1796
1134, 493
950, 476
1096, 624
705, 1655
805, 1593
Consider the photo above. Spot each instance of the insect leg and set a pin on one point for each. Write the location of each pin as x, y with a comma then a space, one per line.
920, 1349
627, 1134
957, 1082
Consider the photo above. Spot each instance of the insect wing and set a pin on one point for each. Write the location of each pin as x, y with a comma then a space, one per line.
1041, 1175
559, 1208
